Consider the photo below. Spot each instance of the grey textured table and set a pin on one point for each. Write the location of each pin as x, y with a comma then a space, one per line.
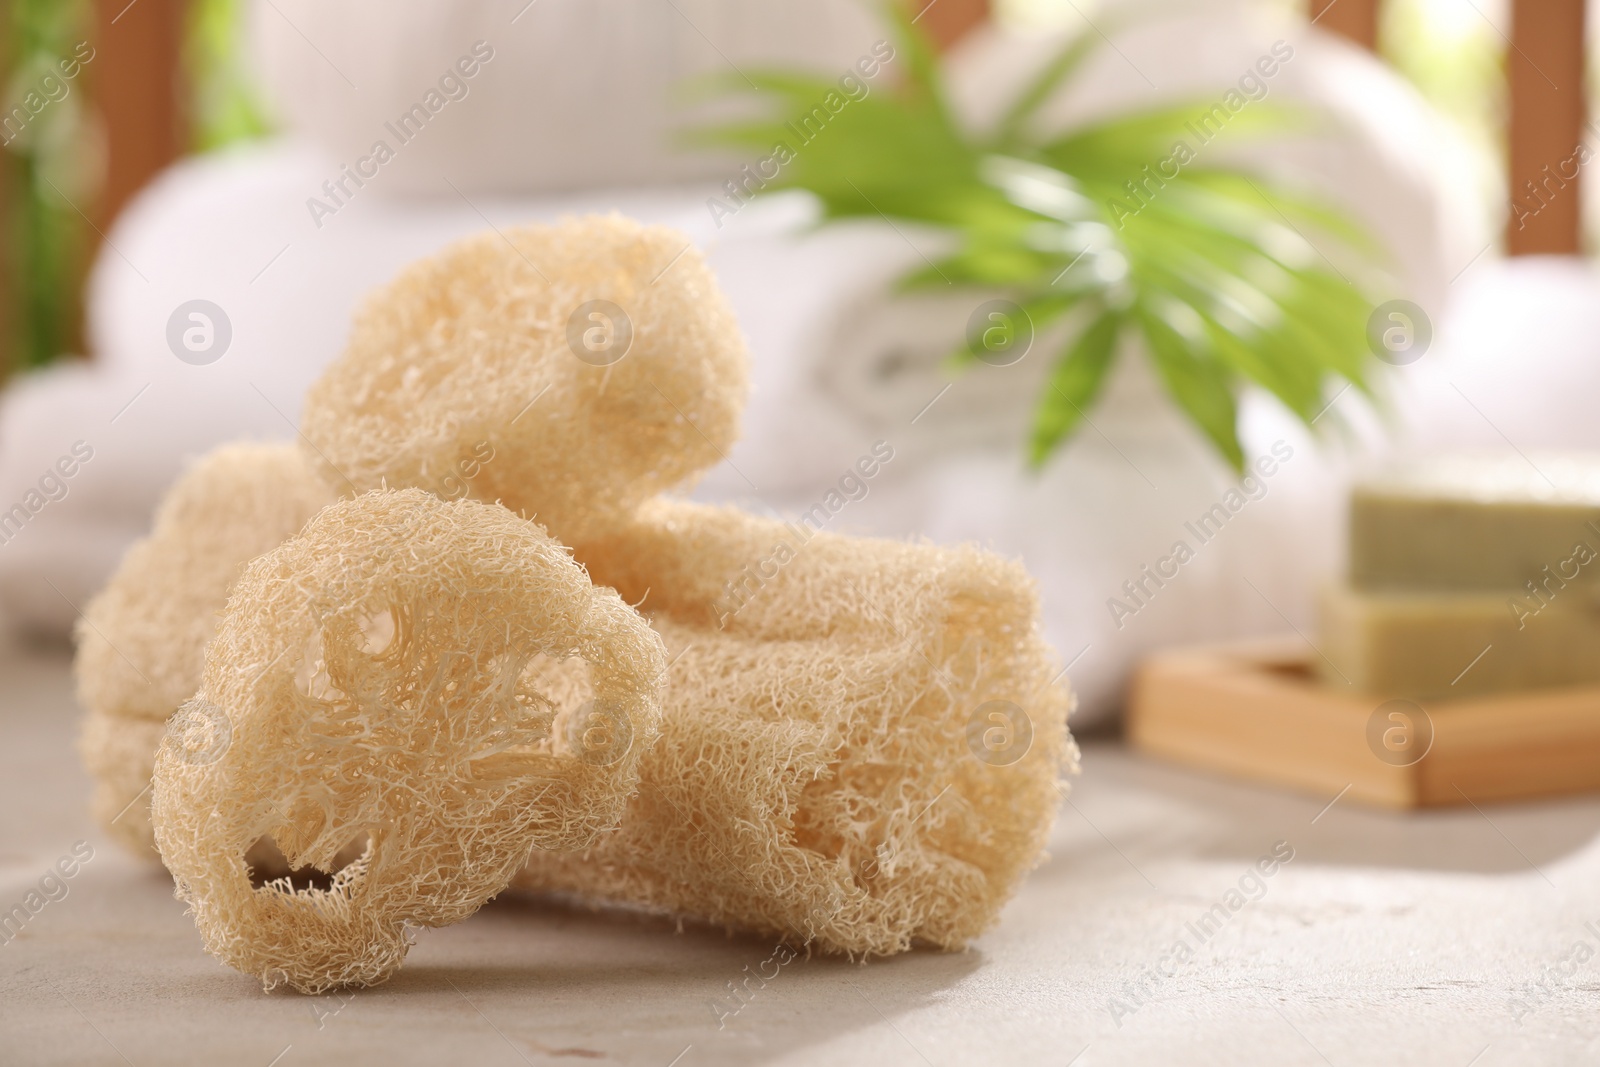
1454, 938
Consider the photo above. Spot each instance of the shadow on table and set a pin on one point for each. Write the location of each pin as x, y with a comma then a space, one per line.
1164, 810
641, 983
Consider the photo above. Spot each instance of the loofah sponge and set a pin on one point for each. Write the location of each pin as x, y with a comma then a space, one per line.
440, 679
141, 642
861, 740
570, 372
119, 753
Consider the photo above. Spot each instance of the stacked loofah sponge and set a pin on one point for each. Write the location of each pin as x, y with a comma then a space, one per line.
859, 741
815, 777
829, 770
379, 676
142, 640
596, 360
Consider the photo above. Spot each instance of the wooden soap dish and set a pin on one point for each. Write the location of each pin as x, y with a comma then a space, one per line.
1256, 710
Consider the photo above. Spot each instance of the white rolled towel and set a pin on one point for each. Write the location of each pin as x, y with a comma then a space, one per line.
231, 229
565, 94
839, 364
866, 363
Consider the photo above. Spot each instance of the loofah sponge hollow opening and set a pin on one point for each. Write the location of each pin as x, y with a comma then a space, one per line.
439, 680
569, 372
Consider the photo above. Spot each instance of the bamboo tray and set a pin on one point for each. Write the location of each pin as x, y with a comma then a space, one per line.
1255, 710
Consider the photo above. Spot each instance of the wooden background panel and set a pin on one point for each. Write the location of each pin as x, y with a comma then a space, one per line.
1355, 19
136, 84
1545, 69
138, 92
947, 21
8, 232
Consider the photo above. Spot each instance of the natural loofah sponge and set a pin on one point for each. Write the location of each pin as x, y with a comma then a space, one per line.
861, 740
438, 678
569, 372
119, 752
141, 642
862, 737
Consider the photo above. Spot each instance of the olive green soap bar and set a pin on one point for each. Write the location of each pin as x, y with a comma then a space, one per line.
1465, 523
1439, 646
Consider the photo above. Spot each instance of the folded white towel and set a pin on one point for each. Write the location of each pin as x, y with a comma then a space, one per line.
563, 94
839, 365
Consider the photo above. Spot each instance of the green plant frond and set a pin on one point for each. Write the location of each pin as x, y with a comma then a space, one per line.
1288, 340
931, 205
788, 83
999, 265
1201, 386
1126, 142
872, 156
988, 216
1058, 70
1074, 385
915, 50
1158, 232
1279, 352
1259, 357
756, 135
1041, 310
1181, 205
1223, 262
1038, 188
1297, 209
1224, 276
224, 106
1338, 343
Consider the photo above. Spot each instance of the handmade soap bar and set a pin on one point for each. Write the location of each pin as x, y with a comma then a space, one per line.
1472, 523
1433, 645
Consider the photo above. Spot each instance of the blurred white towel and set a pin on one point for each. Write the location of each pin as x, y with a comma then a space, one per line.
838, 365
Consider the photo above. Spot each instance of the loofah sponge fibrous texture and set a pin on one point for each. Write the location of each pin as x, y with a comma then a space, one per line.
840, 761
501, 369
826, 769
440, 679
119, 752
142, 639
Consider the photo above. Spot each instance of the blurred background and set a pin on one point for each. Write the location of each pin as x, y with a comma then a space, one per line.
160, 153
179, 80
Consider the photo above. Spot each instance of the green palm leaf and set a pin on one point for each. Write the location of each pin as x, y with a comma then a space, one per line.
1219, 273
1074, 384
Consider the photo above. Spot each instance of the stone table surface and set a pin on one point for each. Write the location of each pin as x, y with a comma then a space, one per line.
1457, 937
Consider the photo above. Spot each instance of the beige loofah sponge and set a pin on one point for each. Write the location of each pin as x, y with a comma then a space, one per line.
438, 678
569, 372
862, 740
865, 754
119, 752
141, 642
